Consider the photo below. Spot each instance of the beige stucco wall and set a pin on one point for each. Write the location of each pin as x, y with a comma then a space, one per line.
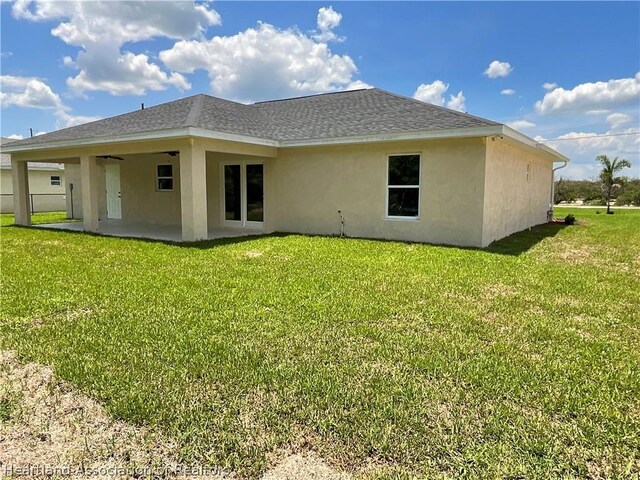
312, 184
215, 161
72, 174
72, 177
39, 183
141, 201
513, 203
472, 190
304, 189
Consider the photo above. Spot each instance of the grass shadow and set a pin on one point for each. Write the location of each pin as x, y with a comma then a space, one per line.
520, 242
201, 244
515, 244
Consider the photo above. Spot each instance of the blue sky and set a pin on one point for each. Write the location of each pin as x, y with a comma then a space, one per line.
567, 71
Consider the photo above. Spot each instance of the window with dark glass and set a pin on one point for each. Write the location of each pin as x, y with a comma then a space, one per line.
164, 177
403, 186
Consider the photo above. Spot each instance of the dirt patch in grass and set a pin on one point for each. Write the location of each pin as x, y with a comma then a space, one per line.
308, 466
47, 426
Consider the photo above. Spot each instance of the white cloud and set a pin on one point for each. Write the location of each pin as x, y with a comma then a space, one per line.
328, 19
591, 96
508, 91
616, 120
598, 143
358, 85
498, 69
583, 147
120, 22
521, 124
434, 93
102, 28
597, 112
15, 136
549, 85
263, 63
27, 92
579, 171
125, 74
30, 92
64, 119
456, 102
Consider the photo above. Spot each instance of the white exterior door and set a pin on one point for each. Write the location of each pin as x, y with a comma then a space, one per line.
114, 206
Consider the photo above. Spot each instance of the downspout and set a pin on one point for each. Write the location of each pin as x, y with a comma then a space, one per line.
553, 189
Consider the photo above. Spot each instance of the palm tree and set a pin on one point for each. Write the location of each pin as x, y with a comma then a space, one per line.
608, 175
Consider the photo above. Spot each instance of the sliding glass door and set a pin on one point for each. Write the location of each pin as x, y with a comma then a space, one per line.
243, 194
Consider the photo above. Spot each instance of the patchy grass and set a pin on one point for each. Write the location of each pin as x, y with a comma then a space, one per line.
50, 424
385, 358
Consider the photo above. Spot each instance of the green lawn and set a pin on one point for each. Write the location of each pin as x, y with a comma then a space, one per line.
387, 359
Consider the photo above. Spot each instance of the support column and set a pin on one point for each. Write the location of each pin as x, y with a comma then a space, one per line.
89, 181
193, 192
20, 179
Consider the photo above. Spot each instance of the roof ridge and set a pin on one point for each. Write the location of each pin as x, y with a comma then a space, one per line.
415, 100
311, 96
121, 114
196, 109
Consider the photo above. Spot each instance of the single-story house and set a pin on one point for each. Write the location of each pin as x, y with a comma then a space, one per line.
46, 184
366, 163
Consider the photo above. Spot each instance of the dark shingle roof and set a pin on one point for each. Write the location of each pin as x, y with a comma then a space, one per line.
342, 114
359, 112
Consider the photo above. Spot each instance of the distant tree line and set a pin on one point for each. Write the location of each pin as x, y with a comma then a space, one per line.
591, 192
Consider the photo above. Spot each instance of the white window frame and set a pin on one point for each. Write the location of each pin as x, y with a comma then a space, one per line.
388, 187
158, 178
243, 222
528, 172
58, 181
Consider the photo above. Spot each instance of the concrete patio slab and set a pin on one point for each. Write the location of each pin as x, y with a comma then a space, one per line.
172, 233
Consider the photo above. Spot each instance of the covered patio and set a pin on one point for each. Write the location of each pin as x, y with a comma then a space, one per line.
197, 202
170, 233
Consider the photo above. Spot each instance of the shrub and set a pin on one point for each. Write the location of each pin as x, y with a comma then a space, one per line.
569, 219
630, 196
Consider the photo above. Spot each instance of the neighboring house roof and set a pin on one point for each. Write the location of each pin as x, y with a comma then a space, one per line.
325, 118
5, 159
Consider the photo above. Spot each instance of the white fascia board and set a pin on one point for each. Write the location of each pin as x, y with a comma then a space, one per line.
209, 134
134, 137
520, 137
32, 167
232, 137
82, 142
390, 137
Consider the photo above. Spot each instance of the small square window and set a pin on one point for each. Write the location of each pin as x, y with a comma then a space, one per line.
56, 180
164, 178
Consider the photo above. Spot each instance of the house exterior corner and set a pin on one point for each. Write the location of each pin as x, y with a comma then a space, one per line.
518, 183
